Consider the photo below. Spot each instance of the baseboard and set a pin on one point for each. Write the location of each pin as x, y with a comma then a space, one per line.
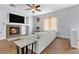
63, 37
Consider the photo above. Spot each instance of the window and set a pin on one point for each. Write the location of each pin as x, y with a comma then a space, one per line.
50, 24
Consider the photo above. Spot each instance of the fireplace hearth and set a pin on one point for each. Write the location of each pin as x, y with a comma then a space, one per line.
13, 30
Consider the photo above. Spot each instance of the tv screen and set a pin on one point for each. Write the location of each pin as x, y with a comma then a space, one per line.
16, 18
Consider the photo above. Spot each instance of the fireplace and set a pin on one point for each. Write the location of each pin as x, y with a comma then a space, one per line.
13, 30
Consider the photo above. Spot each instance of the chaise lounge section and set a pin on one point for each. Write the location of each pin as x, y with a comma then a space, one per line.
45, 38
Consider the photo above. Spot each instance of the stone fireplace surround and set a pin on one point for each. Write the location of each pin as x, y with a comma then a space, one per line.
9, 35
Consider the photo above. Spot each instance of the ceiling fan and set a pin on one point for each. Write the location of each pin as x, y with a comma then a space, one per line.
33, 7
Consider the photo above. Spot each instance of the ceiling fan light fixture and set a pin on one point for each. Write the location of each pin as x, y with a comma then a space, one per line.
33, 10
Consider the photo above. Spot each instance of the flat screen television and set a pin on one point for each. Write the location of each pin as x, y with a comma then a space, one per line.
15, 18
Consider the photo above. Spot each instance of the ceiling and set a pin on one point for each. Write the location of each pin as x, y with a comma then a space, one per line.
46, 8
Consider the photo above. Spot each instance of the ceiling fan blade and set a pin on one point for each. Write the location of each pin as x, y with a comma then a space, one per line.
28, 5
33, 5
37, 6
38, 10
28, 9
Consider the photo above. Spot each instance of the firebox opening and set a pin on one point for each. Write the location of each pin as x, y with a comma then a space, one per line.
14, 30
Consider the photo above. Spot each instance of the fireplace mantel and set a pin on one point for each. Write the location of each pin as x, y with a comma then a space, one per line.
16, 24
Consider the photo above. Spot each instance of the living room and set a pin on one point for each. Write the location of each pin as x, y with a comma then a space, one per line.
48, 25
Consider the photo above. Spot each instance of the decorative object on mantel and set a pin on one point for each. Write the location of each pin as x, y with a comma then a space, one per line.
37, 29
38, 19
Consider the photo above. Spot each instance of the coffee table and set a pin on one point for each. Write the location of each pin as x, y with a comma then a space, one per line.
24, 42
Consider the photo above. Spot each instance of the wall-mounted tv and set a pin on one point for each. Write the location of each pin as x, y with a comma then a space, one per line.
15, 18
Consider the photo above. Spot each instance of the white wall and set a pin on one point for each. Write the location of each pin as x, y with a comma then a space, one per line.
4, 19
30, 24
67, 19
